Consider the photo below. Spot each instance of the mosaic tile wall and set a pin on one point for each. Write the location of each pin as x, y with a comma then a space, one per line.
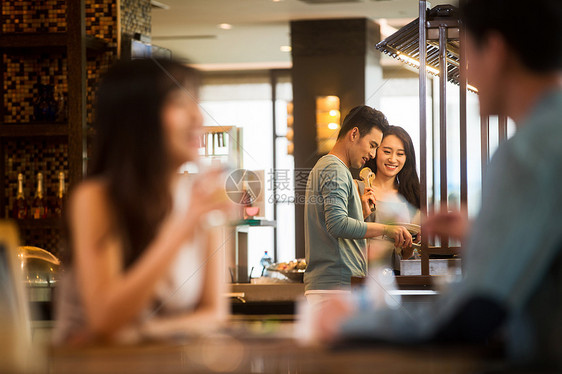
136, 17
46, 238
95, 67
101, 22
22, 75
33, 16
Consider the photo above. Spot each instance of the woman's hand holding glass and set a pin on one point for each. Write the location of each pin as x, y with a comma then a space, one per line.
209, 205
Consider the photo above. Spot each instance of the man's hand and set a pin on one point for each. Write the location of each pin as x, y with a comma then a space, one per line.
402, 237
455, 225
368, 202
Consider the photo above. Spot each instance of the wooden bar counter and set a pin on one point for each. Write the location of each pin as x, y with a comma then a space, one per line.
266, 354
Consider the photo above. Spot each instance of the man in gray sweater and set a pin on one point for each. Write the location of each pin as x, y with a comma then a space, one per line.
335, 230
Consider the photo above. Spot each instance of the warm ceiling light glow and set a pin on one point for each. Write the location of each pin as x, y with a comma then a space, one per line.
285, 48
333, 126
159, 5
432, 70
333, 112
416, 63
225, 26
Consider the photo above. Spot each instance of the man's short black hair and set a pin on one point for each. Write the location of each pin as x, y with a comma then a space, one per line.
364, 118
533, 29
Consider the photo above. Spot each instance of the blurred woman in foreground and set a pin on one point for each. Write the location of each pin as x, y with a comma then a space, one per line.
139, 250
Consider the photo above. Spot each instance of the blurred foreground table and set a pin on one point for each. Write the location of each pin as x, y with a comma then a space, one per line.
225, 353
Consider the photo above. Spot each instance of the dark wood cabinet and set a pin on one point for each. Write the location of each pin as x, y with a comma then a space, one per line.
68, 61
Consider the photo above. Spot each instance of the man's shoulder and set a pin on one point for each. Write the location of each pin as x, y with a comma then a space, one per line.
327, 160
330, 163
538, 141
544, 122
329, 168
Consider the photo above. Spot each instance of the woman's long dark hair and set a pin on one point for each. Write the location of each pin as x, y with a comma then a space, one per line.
407, 179
130, 152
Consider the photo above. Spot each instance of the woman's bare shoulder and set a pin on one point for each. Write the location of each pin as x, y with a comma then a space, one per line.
91, 188
91, 194
90, 209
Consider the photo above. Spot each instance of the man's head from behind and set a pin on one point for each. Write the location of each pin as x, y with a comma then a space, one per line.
361, 134
509, 35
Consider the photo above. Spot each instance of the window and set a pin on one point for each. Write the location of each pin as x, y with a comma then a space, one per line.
245, 100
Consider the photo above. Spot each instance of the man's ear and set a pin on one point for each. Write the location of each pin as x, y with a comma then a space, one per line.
499, 51
354, 134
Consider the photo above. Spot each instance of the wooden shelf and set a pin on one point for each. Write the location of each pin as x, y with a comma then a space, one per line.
90, 131
416, 281
256, 222
31, 42
72, 48
450, 251
34, 224
95, 45
31, 129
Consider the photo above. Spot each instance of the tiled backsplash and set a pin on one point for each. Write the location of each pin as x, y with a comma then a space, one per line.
33, 16
136, 17
22, 74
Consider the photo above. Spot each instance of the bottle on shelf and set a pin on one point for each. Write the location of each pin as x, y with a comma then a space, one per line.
20, 205
39, 207
59, 203
266, 261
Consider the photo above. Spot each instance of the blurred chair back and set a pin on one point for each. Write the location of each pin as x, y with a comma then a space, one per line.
15, 328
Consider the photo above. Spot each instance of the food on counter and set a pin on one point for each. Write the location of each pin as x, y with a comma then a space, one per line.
294, 270
295, 265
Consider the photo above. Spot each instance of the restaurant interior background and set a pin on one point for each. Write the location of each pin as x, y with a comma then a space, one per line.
244, 50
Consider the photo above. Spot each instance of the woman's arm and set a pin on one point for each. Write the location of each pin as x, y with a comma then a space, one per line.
402, 238
113, 298
212, 309
338, 223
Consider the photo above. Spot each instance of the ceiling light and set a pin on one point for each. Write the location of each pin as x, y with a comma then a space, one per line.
285, 48
416, 63
225, 26
333, 126
159, 5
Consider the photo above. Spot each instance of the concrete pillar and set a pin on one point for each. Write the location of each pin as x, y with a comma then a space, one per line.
330, 57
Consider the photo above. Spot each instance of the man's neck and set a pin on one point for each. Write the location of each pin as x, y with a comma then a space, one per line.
340, 152
525, 91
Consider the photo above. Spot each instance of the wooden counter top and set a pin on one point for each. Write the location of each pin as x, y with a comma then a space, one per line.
265, 355
283, 291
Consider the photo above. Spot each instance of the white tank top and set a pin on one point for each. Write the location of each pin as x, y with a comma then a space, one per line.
181, 289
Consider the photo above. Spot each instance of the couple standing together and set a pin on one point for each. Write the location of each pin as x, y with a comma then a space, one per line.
341, 213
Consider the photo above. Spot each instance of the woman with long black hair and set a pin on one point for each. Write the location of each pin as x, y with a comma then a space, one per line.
396, 187
139, 245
